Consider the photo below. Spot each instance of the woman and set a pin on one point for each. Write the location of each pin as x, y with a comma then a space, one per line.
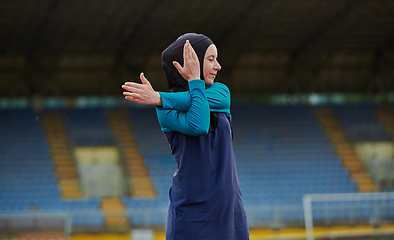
205, 198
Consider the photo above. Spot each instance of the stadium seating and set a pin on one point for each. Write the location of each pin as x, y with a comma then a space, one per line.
27, 179
282, 154
361, 122
86, 127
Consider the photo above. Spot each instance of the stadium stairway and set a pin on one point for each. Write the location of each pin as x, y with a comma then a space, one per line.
386, 117
115, 219
28, 181
345, 150
61, 155
139, 182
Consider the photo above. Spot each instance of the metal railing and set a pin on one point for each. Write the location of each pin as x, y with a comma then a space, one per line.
374, 208
324, 210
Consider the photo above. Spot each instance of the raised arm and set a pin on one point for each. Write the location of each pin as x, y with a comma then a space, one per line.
193, 122
218, 96
145, 94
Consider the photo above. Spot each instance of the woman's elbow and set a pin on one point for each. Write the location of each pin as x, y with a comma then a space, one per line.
199, 130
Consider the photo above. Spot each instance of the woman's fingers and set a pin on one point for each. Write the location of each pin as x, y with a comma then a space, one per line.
185, 58
132, 88
194, 54
191, 65
186, 51
135, 97
194, 63
187, 54
178, 66
190, 53
141, 93
130, 94
132, 84
144, 80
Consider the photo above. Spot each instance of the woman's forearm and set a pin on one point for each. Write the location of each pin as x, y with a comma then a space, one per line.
218, 96
193, 122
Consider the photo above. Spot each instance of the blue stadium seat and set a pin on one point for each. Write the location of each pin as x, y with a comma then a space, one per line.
282, 154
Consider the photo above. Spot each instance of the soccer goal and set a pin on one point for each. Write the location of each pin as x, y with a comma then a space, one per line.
348, 209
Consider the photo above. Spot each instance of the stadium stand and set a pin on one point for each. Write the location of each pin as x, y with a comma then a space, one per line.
345, 150
62, 158
158, 159
283, 153
361, 122
291, 152
139, 183
88, 127
386, 117
28, 182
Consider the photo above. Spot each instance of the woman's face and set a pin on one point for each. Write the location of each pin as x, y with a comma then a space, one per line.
211, 64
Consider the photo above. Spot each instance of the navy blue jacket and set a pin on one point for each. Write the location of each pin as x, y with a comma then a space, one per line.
205, 198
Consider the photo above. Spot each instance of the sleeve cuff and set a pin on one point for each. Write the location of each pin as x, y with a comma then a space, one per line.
164, 100
197, 83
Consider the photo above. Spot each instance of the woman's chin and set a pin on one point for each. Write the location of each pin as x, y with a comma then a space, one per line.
209, 82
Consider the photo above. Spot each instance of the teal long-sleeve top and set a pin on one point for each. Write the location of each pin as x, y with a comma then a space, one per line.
205, 201
188, 112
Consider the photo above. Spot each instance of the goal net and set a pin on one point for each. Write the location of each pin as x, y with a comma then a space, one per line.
348, 211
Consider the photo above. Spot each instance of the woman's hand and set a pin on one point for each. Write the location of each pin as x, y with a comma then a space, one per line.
191, 64
142, 93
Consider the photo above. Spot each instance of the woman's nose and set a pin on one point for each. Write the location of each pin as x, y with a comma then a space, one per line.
217, 66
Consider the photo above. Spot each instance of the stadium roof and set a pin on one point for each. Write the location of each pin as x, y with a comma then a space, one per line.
85, 47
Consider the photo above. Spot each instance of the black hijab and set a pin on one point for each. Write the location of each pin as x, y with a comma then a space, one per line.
174, 52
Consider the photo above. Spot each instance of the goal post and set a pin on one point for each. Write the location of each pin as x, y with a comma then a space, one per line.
376, 207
